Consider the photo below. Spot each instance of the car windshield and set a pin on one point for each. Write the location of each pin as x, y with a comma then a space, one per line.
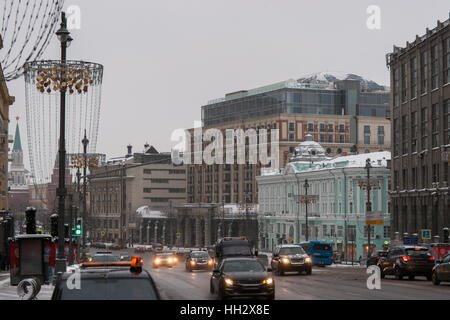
237, 250
105, 258
292, 250
418, 252
111, 289
382, 254
199, 255
243, 266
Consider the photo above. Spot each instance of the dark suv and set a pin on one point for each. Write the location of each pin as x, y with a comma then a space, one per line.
375, 257
290, 257
407, 261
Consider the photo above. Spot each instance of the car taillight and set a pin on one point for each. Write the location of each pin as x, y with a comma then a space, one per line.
405, 258
378, 258
432, 258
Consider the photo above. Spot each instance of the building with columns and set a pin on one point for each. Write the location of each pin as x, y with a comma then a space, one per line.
337, 203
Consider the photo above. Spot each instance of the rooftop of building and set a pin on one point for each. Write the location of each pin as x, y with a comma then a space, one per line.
321, 80
397, 51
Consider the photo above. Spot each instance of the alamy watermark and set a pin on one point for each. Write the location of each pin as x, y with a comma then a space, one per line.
73, 17
209, 147
74, 280
373, 22
374, 280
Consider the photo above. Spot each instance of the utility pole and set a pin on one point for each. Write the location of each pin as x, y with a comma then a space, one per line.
306, 185
368, 205
85, 142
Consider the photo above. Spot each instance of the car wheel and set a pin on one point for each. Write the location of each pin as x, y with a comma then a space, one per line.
434, 279
429, 277
411, 277
398, 274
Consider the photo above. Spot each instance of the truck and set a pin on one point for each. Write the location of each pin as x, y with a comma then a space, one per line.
228, 247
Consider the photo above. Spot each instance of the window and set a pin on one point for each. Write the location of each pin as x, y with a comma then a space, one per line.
447, 121
291, 137
434, 67
341, 128
366, 129
405, 134
435, 125
147, 190
366, 139
372, 231
424, 120
330, 138
147, 171
341, 139
447, 60
291, 126
396, 137
413, 79
404, 81
395, 86
424, 72
330, 128
380, 140
322, 127
380, 129
413, 131
386, 231
340, 231
322, 138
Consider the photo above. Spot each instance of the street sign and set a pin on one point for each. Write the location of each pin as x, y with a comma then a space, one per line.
103, 233
426, 234
307, 198
374, 217
178, 235
410, 240
132, 225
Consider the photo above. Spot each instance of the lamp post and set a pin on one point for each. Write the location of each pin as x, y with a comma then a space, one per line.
65, 39
306, 185
85, 142
368, 204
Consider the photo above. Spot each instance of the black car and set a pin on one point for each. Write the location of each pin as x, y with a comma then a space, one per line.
441, 271
242, 277
290, 257
198, 260
407, 261
263, 258
229, 247
107, 283
373, 260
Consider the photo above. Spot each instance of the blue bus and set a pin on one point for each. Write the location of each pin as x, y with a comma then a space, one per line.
320, 252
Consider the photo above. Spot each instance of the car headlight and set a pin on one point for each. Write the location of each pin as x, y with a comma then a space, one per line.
228, 281
157, 261
285, 260
193, 262
210, 262
268, 281
308, 260
170, 260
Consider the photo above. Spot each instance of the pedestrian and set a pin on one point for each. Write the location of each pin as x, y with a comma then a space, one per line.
360, 260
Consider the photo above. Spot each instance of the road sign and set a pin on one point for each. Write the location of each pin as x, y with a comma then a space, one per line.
132, 225
426, 234
307, 198
178, 235
374, 217
410, 240
103, 233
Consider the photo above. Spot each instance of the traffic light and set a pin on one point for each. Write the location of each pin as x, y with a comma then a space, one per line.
78, 227
30, 216
54, 225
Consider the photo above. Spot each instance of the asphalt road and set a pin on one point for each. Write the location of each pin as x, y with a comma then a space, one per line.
331, 283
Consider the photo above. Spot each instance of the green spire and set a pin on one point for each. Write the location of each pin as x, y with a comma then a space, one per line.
17, 142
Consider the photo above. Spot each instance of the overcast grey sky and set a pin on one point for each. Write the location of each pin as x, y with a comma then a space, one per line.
165, 59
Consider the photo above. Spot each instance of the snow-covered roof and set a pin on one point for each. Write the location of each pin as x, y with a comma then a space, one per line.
237, 209
146, 213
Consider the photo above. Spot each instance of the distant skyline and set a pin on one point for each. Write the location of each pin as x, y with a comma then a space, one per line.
165, 59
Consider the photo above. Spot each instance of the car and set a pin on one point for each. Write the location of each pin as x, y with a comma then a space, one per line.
198, 260
242, 277
441, 271
125, 258
410, 261
290, 257
108, 281
164, 259
263, 258
104, 256
375, 257
116, 246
